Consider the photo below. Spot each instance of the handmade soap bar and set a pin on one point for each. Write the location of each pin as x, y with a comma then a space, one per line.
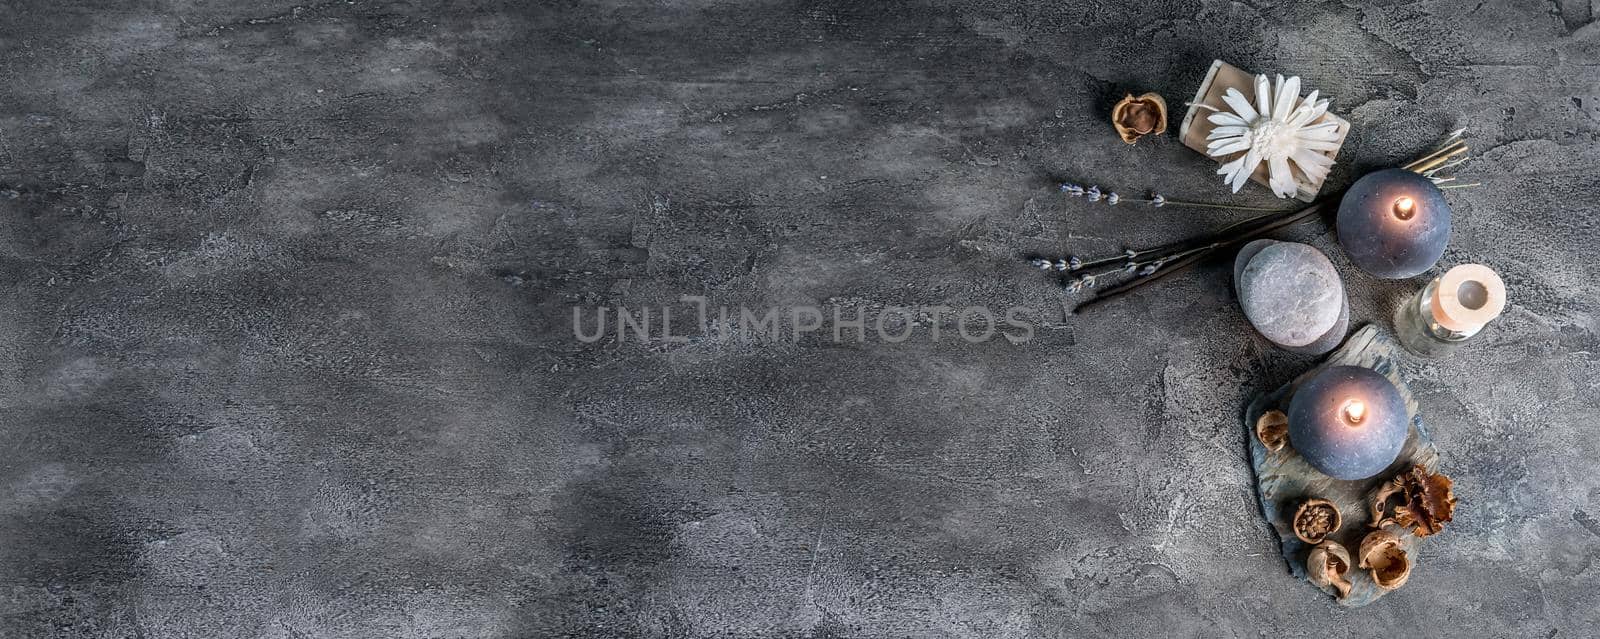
1196, 127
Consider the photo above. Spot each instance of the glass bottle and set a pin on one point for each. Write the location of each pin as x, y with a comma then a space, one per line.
1450, 310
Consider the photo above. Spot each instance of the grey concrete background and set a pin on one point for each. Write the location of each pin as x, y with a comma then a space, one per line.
287, 348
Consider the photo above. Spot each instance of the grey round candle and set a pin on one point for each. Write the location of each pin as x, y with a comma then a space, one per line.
1394, 223
1348, 422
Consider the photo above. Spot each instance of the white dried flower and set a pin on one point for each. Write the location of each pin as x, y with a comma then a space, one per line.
1276, 131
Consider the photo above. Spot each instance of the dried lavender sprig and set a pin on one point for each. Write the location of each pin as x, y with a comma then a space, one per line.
1094, 194
1205, 205
1130, 262
1089, 277
1068, 263
1188, 258
1074, 263
1148, 267
1082, 282
1128, 256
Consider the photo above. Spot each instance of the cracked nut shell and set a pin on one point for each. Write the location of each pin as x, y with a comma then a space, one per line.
1272, 429
1315, 519
1135, 117
1385, 559
1427, 501
1327, 565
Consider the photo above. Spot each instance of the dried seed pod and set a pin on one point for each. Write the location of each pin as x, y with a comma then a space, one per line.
1272, 428
1327, 565
1315, 519
1380, 498
1430, 502
1135, 117
1427, 501
1385, 559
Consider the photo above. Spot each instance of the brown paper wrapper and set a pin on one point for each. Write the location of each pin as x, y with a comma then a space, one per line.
1196, 127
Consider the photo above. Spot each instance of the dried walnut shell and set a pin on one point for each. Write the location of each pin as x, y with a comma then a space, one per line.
1135, 117
1326, 566
1272, 428
1315, 519
1385, 559
1426, 501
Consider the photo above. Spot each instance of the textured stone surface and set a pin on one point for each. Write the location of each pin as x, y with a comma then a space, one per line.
1242, 257
287, 347
1291, 293
1331, 339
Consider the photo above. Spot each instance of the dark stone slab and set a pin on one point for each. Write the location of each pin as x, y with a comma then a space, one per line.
1284, 479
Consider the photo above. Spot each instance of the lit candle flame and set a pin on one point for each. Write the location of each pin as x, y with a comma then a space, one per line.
1355, 410
1404, 208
